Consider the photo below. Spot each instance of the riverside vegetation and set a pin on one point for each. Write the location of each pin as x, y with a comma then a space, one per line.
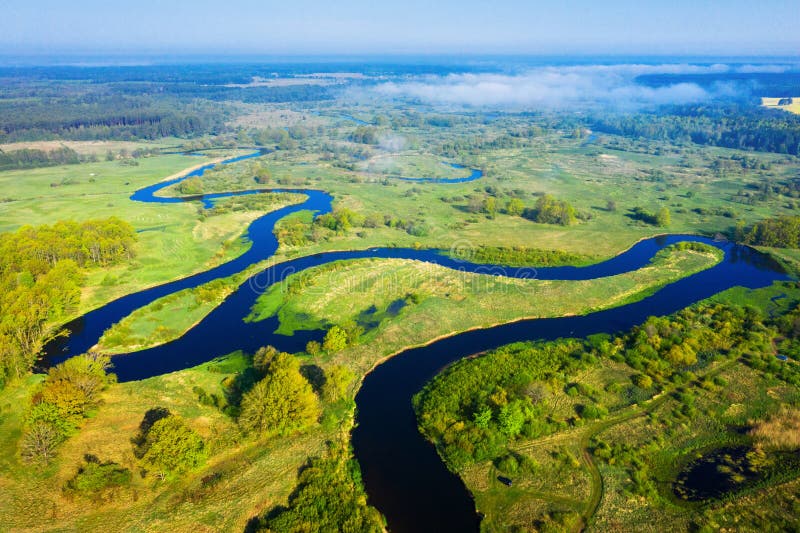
585, 428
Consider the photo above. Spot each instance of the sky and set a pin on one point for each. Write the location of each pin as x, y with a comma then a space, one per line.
303, 27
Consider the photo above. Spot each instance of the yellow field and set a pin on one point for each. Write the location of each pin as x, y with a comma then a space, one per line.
794, 107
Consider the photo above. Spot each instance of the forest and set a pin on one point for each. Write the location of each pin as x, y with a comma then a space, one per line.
780, 232
41, 270
740, 126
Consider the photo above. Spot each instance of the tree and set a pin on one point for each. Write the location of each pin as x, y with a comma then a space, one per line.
511, 419
39, 442
170, 446
335, 340
483, 417
58, 407
263, 176
87, 372
515, 207
313, 347
549, 210
490, 206
611, 206
263, 358
337, 380
193, 185
643, 381
329, 497
95, 478
663, 217
281, 403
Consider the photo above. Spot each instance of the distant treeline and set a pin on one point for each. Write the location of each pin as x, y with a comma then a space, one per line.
738, 126
222, 93
126, 111
93, 116
40, 281
32, 158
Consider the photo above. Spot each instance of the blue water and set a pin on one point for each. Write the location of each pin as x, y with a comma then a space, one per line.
403, 475
475, 174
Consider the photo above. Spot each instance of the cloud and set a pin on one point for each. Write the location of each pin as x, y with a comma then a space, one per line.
567, 86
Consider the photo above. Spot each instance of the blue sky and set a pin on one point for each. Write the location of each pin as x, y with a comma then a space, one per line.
691, 27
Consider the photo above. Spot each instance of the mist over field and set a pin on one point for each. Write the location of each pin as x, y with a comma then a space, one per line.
567, 86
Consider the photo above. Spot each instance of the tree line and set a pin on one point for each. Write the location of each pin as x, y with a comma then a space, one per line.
32, 158
106, 116
738, 126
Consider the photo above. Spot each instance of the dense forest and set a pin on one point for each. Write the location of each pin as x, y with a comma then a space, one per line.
94, 116
40, 280
129, 103
740, 126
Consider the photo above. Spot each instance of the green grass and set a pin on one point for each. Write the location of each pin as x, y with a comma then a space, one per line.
174, 240
772, 300
165, 319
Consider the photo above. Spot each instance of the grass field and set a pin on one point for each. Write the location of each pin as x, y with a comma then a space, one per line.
794, 107
701, 199
253, 476
411, 166
96, 148
165, 319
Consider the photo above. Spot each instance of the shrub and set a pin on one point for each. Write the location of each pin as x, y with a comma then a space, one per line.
170, 446
94, 477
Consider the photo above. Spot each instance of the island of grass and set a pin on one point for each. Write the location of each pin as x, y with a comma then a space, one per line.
395, 303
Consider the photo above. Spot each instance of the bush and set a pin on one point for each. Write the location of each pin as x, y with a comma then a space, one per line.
95, 478
329, 497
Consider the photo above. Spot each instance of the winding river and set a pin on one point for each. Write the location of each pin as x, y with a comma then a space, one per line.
404, 477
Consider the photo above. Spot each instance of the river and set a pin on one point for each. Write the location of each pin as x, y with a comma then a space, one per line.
404, 477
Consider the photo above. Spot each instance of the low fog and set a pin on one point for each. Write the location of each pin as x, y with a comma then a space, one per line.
569, 86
